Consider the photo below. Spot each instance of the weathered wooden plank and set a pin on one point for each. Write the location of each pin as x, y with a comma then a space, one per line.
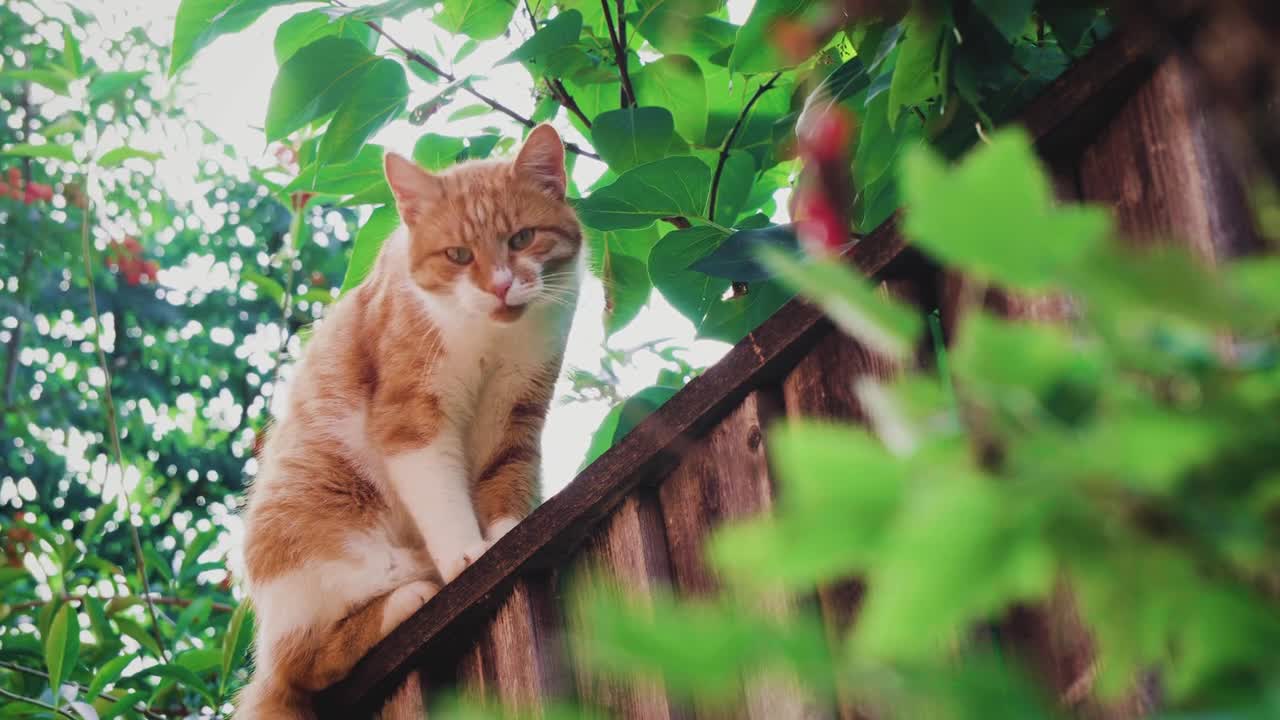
1161, 168
722, 478
822, 386
627, 553
517, 659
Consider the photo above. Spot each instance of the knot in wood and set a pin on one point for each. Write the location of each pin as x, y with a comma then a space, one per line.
754, 437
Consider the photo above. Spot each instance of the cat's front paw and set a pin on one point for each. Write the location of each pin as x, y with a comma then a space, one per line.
405, 601
453, 567
499, 527
474, 552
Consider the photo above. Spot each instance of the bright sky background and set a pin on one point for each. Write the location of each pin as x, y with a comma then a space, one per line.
227, 87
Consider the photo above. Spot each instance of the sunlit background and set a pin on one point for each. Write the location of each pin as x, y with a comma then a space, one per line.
227, 90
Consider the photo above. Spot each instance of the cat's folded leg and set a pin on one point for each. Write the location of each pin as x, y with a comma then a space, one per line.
432, 483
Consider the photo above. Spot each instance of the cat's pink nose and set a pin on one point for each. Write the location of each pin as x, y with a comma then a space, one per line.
501, 286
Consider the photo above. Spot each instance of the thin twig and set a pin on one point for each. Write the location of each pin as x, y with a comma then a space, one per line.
139, 708
36, 703
557, 88
728, 143
164, 601
620, 54
113, 429
422, 60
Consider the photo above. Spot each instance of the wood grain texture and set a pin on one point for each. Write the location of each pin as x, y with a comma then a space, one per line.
822, 386
1166, 180
722, 478
627, 553
436, 637
517, 659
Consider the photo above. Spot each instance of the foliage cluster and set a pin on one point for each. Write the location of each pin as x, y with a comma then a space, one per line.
1126, 453
693, 118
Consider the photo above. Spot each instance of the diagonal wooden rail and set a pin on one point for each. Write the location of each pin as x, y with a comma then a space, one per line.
1071, 112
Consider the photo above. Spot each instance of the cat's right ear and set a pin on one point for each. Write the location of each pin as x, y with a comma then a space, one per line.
414, 188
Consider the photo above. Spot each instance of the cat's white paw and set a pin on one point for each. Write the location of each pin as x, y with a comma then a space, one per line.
474, 552
405, 601
453, 567
499, 527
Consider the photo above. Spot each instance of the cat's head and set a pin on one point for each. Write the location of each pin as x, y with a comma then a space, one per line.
491, 237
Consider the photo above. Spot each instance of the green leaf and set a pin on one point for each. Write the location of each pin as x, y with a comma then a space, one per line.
200, 22
602, 439
730, 319
967, 529
675, 82
120, 155
618, 258
314, 82
1071, 25
643, 194
676, 29
364, 252
193, 615
633, 136
994, 215
736, 179
881, 144
559, 32
1009, 16
437, 152
200, 660
921, 71
62, 646
109, 84
827, 526
50, 151
670, 268
107, 674
640, 406
396, 9
140, 635
235, 643
55, 79
185, 679
738, 257
478, 19
380, 97
305, 28
363, 174
469, 111
265, 285
71, 58
755, 50
883, 325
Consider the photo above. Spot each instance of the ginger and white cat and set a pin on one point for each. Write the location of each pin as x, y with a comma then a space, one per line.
411, 441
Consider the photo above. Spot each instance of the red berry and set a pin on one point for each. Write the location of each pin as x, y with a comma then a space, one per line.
300, 200
826, 136
133, 245
15, 176
819, 226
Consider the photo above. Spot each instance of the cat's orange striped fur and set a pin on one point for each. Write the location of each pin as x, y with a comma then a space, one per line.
411, 440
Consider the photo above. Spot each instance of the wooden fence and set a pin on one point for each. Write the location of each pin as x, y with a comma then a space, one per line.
1125, 127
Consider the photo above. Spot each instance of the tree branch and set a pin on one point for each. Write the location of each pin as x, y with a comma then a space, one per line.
557, 88
620, 52
728, 143
37, 703
422, 60
138, 708
164, 601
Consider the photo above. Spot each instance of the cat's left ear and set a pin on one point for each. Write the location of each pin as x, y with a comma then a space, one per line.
415, 189
541, 159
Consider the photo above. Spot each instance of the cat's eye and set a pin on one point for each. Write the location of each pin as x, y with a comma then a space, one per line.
521, 240
459, 255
